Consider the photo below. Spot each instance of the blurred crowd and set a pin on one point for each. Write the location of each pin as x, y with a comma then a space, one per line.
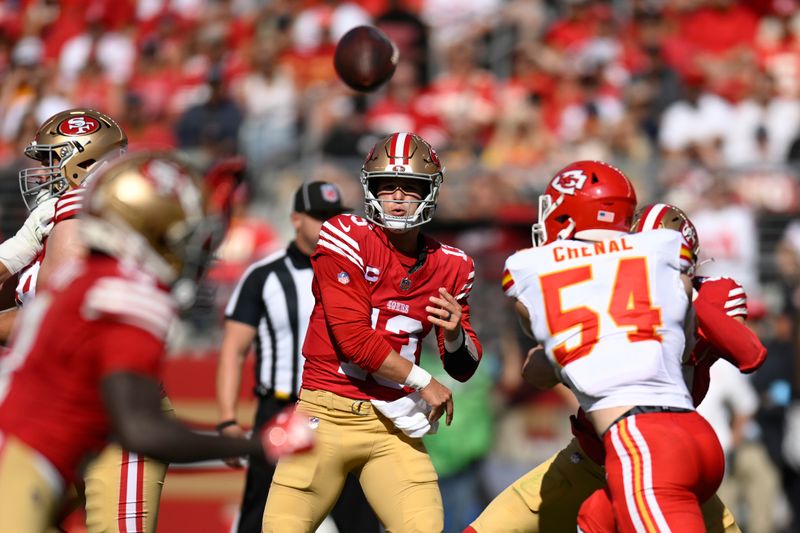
698, 101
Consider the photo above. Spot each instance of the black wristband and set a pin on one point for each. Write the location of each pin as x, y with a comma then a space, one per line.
226, 424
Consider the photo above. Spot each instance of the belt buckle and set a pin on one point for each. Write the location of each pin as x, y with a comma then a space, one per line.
356, 407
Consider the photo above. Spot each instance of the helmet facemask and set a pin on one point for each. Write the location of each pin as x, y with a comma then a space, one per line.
68, 145
422, 210
47, 181
546, 211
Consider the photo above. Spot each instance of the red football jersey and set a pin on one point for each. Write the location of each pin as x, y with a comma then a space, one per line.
67, 207
97, 318
370, 299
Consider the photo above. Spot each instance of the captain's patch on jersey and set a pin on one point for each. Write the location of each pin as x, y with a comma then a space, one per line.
343, 278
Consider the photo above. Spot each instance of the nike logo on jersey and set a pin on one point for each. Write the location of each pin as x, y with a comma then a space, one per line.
345, 227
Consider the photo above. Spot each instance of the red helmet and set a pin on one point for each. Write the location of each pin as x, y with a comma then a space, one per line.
657, 216
588, 200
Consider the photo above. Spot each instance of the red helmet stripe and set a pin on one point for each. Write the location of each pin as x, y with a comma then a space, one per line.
653, 217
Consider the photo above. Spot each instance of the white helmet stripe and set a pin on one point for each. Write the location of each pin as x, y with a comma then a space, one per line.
654, 216
399, 147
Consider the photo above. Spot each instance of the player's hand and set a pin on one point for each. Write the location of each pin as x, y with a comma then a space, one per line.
235, 431
440, 398
40, 221
21, 249
288, 433
445, 313
538, 371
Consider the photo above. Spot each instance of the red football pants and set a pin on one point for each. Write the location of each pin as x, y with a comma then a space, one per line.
660, 467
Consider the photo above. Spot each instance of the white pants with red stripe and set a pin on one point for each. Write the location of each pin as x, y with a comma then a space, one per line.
660, 468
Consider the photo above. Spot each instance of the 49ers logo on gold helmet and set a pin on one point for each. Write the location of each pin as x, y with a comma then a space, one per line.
570, 181
79, 125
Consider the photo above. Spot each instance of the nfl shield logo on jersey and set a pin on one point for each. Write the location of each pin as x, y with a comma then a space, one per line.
343, 278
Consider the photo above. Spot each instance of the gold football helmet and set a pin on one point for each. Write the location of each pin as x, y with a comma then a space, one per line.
667, 216
68, 145
151, 209
404, 155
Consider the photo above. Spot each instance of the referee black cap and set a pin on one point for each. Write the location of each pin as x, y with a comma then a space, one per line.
319, 199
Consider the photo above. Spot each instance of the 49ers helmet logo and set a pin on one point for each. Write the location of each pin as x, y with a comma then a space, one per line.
569, 181
434, 156
79, 125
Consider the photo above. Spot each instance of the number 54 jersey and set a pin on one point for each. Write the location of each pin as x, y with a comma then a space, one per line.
610, 315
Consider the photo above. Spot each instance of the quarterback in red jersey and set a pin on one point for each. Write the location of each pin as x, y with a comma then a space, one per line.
380, 287
527, 505
84, 364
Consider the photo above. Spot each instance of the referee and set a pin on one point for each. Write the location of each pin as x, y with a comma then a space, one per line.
271, 306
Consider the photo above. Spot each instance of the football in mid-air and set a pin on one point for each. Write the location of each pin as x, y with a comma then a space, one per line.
365, 58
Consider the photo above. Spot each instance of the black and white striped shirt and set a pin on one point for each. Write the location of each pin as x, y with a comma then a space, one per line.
274, 296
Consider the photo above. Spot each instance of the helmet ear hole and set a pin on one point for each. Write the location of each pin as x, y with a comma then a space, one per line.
562, 218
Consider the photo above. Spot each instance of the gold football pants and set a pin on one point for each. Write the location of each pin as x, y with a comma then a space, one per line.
394, 470
123, 489
30, 488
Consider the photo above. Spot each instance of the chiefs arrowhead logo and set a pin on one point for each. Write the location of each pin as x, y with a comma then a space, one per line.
569, 182
78, 125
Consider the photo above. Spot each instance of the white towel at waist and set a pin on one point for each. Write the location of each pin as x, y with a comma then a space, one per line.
409, 414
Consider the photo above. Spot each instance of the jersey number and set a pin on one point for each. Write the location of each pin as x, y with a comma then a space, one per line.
397, 324
630, 307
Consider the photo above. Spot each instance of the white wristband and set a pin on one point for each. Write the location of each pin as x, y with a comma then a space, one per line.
418, 378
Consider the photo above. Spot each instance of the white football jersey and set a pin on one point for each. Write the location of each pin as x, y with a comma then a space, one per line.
610, 316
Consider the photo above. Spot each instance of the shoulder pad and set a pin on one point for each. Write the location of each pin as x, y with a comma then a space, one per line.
69, 205
131, 302
344, 235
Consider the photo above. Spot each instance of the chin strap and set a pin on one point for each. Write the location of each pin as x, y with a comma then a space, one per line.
568, 231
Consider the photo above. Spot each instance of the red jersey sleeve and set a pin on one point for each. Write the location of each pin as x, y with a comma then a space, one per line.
345, 299
718, 301
69, 205
462, 363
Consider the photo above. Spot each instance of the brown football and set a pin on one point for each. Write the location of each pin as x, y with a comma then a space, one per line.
365, 58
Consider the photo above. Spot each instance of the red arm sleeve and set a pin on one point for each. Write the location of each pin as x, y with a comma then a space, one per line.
732, 339
348, 311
